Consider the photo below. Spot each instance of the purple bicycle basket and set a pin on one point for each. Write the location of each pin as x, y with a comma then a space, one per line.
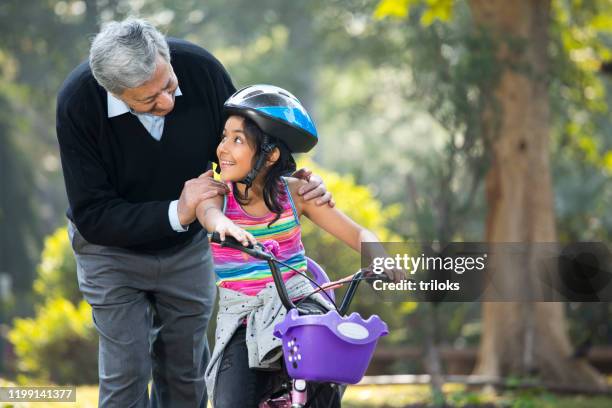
329, 347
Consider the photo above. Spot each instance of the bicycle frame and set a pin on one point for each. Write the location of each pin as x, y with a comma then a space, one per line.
298, 397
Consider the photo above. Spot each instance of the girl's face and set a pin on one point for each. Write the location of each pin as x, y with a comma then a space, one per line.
234, 152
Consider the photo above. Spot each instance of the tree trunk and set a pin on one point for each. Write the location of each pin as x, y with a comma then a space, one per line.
522, 338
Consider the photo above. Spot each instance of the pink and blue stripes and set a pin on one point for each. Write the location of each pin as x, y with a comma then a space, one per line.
240, 272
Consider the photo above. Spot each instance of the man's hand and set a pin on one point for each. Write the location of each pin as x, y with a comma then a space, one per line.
195, 191
315, 189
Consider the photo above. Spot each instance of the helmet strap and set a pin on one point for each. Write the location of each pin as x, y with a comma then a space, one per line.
266, 149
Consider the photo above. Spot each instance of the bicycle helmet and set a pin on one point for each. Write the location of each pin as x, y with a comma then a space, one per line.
279, 115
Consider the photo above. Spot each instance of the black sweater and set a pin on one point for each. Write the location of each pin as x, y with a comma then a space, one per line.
120, 180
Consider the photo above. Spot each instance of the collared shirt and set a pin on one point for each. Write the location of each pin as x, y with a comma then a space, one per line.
153, 124
155, 127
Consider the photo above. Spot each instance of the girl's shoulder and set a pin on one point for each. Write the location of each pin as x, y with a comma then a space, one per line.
294, 185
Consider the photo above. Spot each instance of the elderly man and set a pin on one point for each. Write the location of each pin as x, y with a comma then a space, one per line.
137, 127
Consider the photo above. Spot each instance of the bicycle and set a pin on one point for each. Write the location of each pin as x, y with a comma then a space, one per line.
308, 340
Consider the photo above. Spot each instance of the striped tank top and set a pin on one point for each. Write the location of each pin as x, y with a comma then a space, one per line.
238, 271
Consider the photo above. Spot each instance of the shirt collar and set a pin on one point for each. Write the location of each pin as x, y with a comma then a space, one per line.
117, 107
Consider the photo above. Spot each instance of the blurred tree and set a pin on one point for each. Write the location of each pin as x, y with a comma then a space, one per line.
520, 197
581, 127
515, 125
18, 230
398, 105
39, 42
18, 220
43, 42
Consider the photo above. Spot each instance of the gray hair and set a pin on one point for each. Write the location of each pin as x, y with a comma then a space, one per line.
123, 54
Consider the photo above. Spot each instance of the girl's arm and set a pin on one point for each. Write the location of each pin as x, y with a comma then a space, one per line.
331, 219
342, 227
211, 217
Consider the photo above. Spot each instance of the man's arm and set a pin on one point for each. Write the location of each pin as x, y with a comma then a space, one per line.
194, 192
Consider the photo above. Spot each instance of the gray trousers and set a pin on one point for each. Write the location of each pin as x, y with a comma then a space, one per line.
151, 312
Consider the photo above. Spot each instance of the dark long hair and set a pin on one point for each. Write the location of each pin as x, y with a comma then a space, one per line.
273, 188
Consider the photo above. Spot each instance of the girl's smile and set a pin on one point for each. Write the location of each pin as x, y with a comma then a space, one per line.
235, 153
225, 163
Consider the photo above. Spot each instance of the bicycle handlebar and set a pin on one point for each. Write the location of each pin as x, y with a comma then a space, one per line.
258, 251
255, 251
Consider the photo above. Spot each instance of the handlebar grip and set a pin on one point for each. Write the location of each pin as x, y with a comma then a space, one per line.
215, 237
255, 251
229, 241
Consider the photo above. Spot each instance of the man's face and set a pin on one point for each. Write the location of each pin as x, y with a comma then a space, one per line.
156, 96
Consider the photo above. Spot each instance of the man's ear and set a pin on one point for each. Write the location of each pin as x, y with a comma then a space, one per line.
273, 157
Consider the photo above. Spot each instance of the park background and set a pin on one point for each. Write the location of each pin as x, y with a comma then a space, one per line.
439, 120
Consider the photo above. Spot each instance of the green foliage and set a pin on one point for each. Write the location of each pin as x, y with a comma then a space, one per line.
465, 398
589, 322
57, 269
455, 72
34, 59
58, 345
580, 41
436, 9
582, 149
396, 86
358, 203
531, 399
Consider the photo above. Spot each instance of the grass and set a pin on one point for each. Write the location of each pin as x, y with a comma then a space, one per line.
393, 396
401, 396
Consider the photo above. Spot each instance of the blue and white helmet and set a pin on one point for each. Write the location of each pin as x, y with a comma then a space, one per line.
277, 113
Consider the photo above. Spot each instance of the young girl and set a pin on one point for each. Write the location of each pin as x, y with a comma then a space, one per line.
265, 126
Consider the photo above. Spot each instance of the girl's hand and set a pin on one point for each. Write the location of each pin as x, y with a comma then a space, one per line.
388, 275
235, 231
